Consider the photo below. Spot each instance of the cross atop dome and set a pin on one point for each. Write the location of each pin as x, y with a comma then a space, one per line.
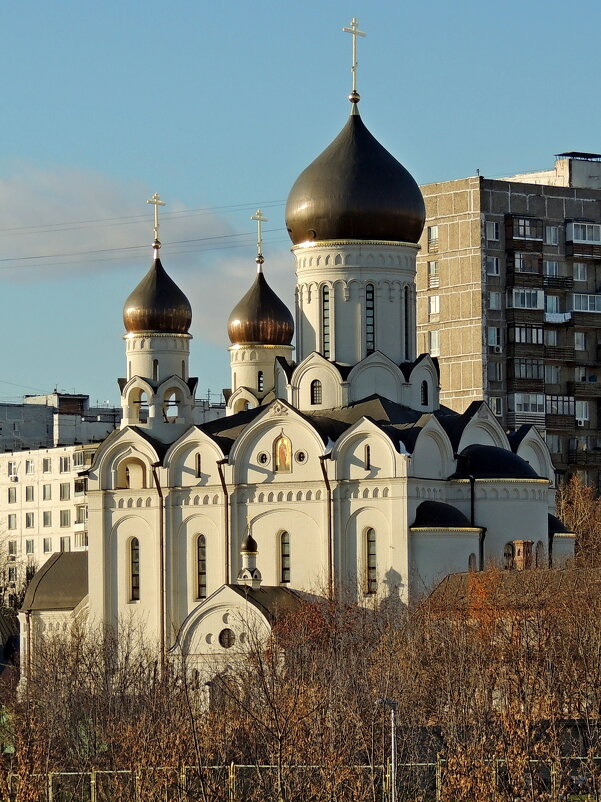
156, 202
355, 32
258, 216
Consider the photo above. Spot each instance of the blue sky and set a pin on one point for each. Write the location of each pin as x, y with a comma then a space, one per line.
218, 107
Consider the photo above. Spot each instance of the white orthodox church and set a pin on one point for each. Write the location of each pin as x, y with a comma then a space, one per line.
335, 469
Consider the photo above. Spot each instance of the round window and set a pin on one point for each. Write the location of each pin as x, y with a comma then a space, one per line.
263, 458
227, 638
300, 456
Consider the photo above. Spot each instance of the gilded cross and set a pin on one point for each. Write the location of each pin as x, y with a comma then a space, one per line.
260, 219
354, 30
156, 202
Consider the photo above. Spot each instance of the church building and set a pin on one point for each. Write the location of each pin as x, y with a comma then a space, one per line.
335, 470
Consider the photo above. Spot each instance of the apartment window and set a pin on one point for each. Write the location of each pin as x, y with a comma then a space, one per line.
65, 517
80, 486
12, 522
134, 569
29, 520
550, 268
47, 545
580, 272
433, 307
526, 402
29, 491
371, 577
492, 266
47, 492
551, 337
12, 548
325, 321
12, 573
495, 371
553, 443
526, 334
46, 465
65, 543
65, 491
559, 405
520, 298
527, 228
496, 404
434, 343
582, 410
12, 468
432, 239
580, 340
201, 567
64, 464
12, 495
316, 392
28, 466
586, 303
528, 368
81, 540
494, 300
81, 514
495, 336
526, 263
29, 546
285, 557
370, 319
551, 235
78, 459
47, 518
552, 303
433, 278
492, 231
585, 232
551, 374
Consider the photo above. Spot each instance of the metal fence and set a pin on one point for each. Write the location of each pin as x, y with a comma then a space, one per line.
573, 779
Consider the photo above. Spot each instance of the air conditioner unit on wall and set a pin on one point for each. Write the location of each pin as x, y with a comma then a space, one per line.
14, 478
498, 349
580, 422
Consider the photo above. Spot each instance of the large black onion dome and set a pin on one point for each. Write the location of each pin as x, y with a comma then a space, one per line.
260, 317
355, 190
157, 304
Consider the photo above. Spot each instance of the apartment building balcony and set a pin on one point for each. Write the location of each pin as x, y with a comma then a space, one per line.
584, 457
520, 385
559, 353
560, 422
585, 389
582, 250
523, 279
587, 320
526, 350
517, 419
558, 282
527, 316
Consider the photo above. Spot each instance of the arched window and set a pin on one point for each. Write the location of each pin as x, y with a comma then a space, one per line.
371, 579
424, 393
131, 474
282, 454
198, 465
325, 322
134, 569
370, 320
406, 320
471, 563
367, 460
155, 369
508, 556
201, 567
540, 554
284, 557
316, 392
260, 381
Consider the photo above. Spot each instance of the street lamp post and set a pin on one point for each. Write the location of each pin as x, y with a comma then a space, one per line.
393, 708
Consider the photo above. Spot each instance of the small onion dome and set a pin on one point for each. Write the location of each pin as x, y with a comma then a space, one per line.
157, 304
355, 190
438, 514
249, 545
260, 317
492, 462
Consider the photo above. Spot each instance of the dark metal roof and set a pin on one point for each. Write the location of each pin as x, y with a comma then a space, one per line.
60, 584
272, 600
439, 514
355, 190
492, 462
157, 304
260, 317
557, 526
577, 154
